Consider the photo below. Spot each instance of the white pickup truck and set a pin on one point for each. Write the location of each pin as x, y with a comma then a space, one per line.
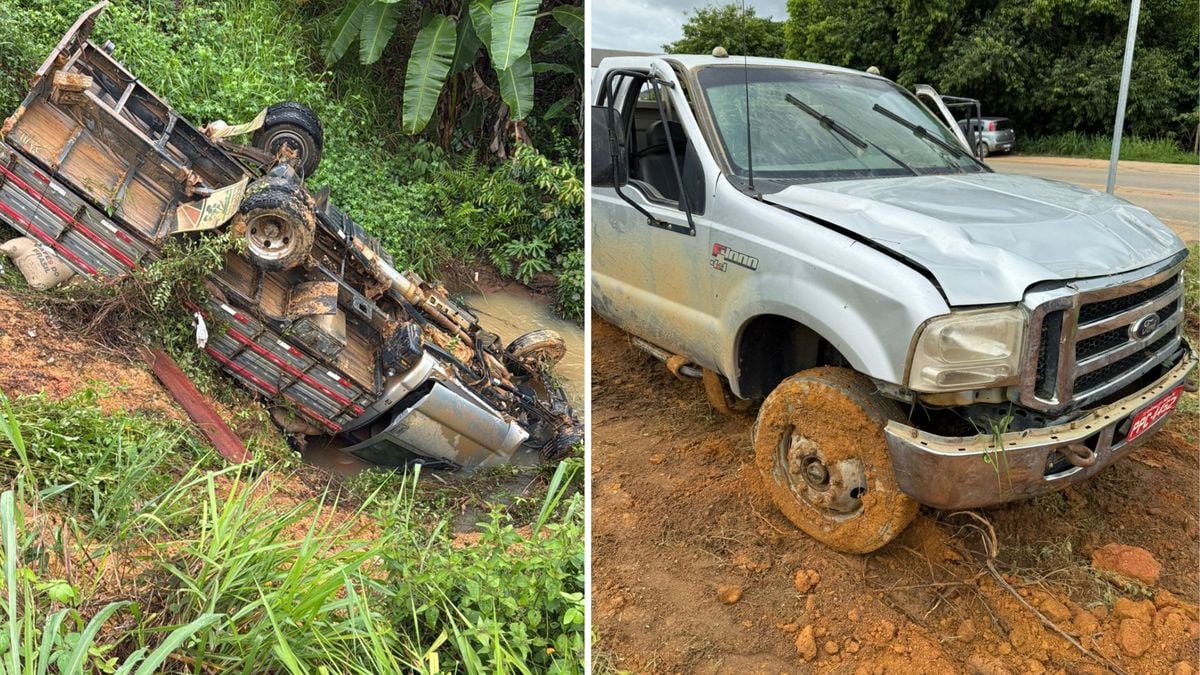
918, 328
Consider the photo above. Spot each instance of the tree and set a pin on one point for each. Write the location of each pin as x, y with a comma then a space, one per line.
1052, 65
453, 40
726, 26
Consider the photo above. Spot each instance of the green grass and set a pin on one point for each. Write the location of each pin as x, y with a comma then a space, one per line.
1074, 144
227, 568
91, 463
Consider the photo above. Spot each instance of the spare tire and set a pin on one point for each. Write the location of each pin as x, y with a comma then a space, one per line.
277, 225
293, 124
543, 345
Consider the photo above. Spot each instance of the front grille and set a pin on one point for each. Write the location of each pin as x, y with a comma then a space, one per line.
1096, 311
1085, 338
1047, 361
1099, 377
1116, 337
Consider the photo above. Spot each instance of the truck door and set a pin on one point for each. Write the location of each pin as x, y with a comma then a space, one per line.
929, 96
649, 242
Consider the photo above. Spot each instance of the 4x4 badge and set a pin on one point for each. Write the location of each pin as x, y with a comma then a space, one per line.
1144, 327
722, 256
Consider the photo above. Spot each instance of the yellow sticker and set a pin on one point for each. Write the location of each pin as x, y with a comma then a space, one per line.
212, 212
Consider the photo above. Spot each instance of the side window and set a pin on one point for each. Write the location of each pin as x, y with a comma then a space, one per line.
651, 140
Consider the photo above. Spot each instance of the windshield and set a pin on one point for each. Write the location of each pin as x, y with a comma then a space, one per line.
790, 144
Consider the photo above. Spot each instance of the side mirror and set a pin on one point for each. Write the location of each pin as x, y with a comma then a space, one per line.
610, 164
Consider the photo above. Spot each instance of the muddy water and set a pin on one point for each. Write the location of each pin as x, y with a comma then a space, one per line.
508, 312
514, 311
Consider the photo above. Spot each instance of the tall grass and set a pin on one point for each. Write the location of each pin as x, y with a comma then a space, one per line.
234, 574
93, 463
1075, 144
288, 581
34, 639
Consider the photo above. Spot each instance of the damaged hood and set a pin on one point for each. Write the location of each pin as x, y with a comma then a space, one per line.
988, 237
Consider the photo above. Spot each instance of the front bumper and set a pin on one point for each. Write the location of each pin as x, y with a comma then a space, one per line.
966, 472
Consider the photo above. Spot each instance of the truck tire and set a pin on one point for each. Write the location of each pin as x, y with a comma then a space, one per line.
277, 226
819, 444
294, 124
544, 345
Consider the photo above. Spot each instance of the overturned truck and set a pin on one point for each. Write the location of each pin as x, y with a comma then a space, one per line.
309, 312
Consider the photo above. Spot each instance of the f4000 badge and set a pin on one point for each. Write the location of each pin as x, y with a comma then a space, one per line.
723, 256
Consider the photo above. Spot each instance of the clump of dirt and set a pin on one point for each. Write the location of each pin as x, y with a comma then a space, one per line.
679, 511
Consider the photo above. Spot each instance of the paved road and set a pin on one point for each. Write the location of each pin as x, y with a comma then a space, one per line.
1169, 191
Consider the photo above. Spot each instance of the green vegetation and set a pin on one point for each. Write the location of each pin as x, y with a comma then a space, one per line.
1051, 65
228, 60
729, 27
452, 43
1074, 144
231, 568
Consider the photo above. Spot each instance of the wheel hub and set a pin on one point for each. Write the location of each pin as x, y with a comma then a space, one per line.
836, 487
816, 474
269, 236
283, 137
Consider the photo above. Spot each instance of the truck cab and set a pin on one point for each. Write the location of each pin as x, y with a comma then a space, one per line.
917, 328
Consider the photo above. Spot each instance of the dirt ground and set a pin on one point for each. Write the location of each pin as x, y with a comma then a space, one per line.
694, 570
39, 357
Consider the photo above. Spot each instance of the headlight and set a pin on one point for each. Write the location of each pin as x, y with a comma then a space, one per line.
968, 350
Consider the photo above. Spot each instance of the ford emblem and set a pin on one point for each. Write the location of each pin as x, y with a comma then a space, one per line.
1143, 327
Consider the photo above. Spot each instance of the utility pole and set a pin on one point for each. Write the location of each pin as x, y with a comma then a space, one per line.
1123, 96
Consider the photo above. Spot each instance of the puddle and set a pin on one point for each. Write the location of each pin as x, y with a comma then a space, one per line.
514, 311
509, 312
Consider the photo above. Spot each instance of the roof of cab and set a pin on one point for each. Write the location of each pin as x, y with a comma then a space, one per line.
693, 61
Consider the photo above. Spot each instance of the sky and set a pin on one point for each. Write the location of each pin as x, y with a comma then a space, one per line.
647, 25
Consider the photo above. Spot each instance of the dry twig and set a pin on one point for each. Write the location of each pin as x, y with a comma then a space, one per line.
993, 548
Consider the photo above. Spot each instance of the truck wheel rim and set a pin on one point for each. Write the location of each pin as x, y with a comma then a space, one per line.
836, 488
270, 236
298, 142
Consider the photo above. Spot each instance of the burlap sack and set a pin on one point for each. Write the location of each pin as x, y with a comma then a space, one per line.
40, 266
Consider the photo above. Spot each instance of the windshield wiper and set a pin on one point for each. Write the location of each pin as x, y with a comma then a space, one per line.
921, 132
834, 126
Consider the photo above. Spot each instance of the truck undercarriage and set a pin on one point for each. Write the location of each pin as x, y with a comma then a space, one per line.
309, 312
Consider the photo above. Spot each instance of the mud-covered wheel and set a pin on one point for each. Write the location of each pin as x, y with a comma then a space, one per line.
293, 124
981, 150
819, 444
278, 227
544, 345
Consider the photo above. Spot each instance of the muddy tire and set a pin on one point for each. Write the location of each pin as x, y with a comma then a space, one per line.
562, 443
543, 345
819, 444
277, 226
721, 397
293, 124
